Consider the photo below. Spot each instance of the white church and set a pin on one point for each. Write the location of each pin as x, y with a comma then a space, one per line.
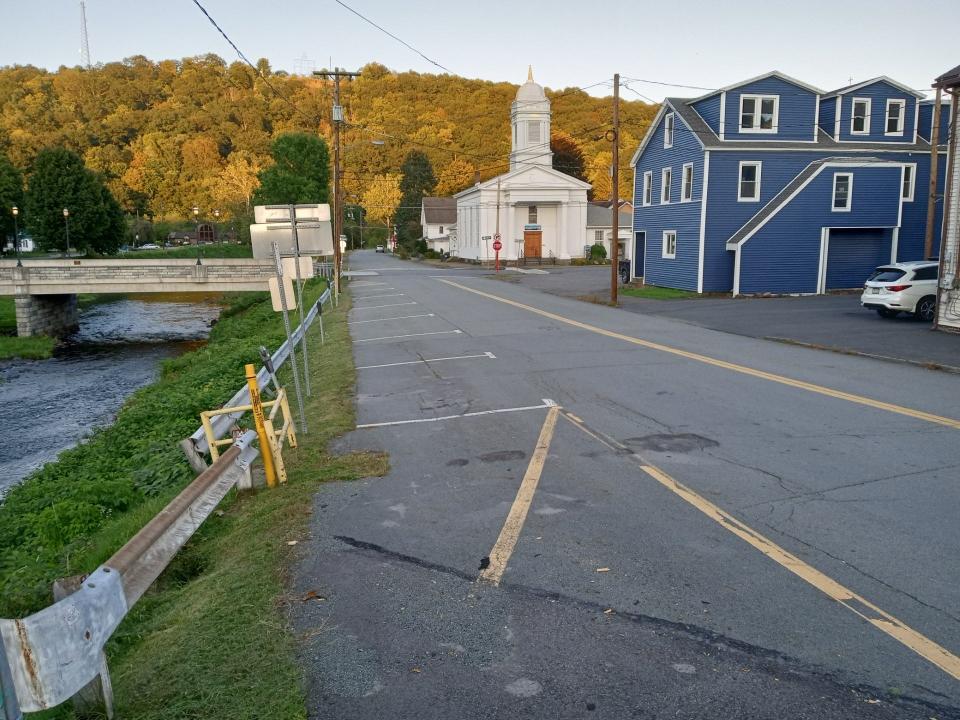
540, 212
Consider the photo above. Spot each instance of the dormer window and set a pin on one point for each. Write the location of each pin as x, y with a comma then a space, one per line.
668, 130
860, 119
758, 113
895, 113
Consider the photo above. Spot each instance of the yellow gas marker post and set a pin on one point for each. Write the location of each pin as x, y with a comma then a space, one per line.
266, 445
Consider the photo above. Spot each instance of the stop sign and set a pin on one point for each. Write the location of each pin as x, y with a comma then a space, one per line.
497, 245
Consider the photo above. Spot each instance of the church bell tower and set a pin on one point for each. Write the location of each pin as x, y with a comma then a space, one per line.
530, 118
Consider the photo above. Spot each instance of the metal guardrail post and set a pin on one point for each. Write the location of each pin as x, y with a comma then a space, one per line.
9, 706
266, 446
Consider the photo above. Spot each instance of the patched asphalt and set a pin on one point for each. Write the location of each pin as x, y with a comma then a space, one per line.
620, 599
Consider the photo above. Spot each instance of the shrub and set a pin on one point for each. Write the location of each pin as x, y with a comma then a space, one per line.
598, 252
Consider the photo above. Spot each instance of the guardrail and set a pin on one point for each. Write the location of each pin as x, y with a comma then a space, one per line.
52, 655
195, 446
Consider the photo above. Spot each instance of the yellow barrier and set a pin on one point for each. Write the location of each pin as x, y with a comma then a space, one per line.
271, 440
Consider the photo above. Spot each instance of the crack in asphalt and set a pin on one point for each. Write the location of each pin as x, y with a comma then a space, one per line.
715, 640
784, 485
847, 563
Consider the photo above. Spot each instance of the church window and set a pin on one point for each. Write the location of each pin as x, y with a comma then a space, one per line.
532, 215
533, 131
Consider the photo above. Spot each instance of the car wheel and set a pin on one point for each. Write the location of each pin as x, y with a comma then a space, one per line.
926, 308
887, 312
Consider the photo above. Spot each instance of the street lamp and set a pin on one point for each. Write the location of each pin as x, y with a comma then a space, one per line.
196, 219
16, 235
66, 219
216, 224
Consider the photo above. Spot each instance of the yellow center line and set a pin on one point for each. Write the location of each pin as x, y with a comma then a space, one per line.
880, 619
507, 541
753, 372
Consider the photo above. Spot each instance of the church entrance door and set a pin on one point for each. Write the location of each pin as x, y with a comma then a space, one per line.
532, 243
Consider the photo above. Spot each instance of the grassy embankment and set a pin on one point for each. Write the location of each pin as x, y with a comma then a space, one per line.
210, 640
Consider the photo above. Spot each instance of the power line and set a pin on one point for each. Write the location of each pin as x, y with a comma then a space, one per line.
669, 84
257, 70
399, 40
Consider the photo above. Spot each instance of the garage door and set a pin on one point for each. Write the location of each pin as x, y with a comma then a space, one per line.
853, 253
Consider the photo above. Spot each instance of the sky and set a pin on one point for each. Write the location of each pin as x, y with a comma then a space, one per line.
569, 43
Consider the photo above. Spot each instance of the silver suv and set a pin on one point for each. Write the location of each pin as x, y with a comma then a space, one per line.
903, 287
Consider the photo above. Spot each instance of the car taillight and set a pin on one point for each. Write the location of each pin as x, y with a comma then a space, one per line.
897, 288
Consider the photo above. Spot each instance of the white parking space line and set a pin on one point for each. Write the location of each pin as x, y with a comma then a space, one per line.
402, 317
357, 286
374, 297
547, 403
397, 337
429, 360
374, 307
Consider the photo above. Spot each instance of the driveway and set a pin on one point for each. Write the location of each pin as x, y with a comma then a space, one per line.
833, 322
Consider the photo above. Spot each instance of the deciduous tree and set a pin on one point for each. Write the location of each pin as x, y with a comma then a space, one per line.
11, 194
567, 154
418, 181
60, 180
300, 172
382, 198
456, 175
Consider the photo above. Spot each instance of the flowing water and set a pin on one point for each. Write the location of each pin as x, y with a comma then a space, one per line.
47, 406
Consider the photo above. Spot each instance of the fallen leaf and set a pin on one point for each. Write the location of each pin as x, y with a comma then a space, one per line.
416, 670
312, 595
603, 569
291, 542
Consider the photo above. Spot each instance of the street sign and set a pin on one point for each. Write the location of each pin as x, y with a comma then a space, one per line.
497, 245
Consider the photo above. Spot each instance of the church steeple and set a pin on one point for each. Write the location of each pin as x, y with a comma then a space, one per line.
530, 118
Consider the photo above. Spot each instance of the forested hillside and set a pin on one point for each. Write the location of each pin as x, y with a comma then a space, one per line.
172, 134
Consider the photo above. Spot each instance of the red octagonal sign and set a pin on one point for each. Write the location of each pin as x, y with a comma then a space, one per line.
497, 245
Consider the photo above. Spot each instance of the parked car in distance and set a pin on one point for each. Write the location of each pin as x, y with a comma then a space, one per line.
380, 248
903, 287
149, 246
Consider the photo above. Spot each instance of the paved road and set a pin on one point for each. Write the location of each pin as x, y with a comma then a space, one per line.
831, 321
592, 513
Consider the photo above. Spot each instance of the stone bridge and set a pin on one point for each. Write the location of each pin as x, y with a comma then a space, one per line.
45, 291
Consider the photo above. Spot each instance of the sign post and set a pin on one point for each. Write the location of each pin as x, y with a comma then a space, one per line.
286, 326
497, 247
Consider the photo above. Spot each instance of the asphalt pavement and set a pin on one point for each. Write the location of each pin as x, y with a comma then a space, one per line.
595, 513
831, 322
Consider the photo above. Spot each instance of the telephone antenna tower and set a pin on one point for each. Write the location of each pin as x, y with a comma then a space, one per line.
84, 40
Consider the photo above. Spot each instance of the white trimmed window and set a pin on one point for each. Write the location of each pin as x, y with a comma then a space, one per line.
909, 181
666, 177
669, 244
842, 192
668, 121
686, 187
532, 215
598, 237
758, 113
648, 188
895, 113
748, 187
860, 117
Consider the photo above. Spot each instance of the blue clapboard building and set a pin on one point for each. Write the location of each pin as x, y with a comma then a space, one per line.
772, 185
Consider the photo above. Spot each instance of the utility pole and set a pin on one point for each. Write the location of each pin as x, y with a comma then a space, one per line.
338, 120
934, 168
615, 195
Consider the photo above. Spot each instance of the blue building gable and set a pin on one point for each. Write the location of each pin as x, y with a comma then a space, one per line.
773, 107
775, 186
876, 111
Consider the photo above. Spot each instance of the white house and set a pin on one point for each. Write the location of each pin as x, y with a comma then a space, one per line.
438, 217
599, 229
540, 212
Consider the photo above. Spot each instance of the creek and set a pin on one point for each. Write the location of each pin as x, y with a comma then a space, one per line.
51, 405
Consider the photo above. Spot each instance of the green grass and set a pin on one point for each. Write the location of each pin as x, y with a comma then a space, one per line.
29, 348
653, 292
208, 251
211, 639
